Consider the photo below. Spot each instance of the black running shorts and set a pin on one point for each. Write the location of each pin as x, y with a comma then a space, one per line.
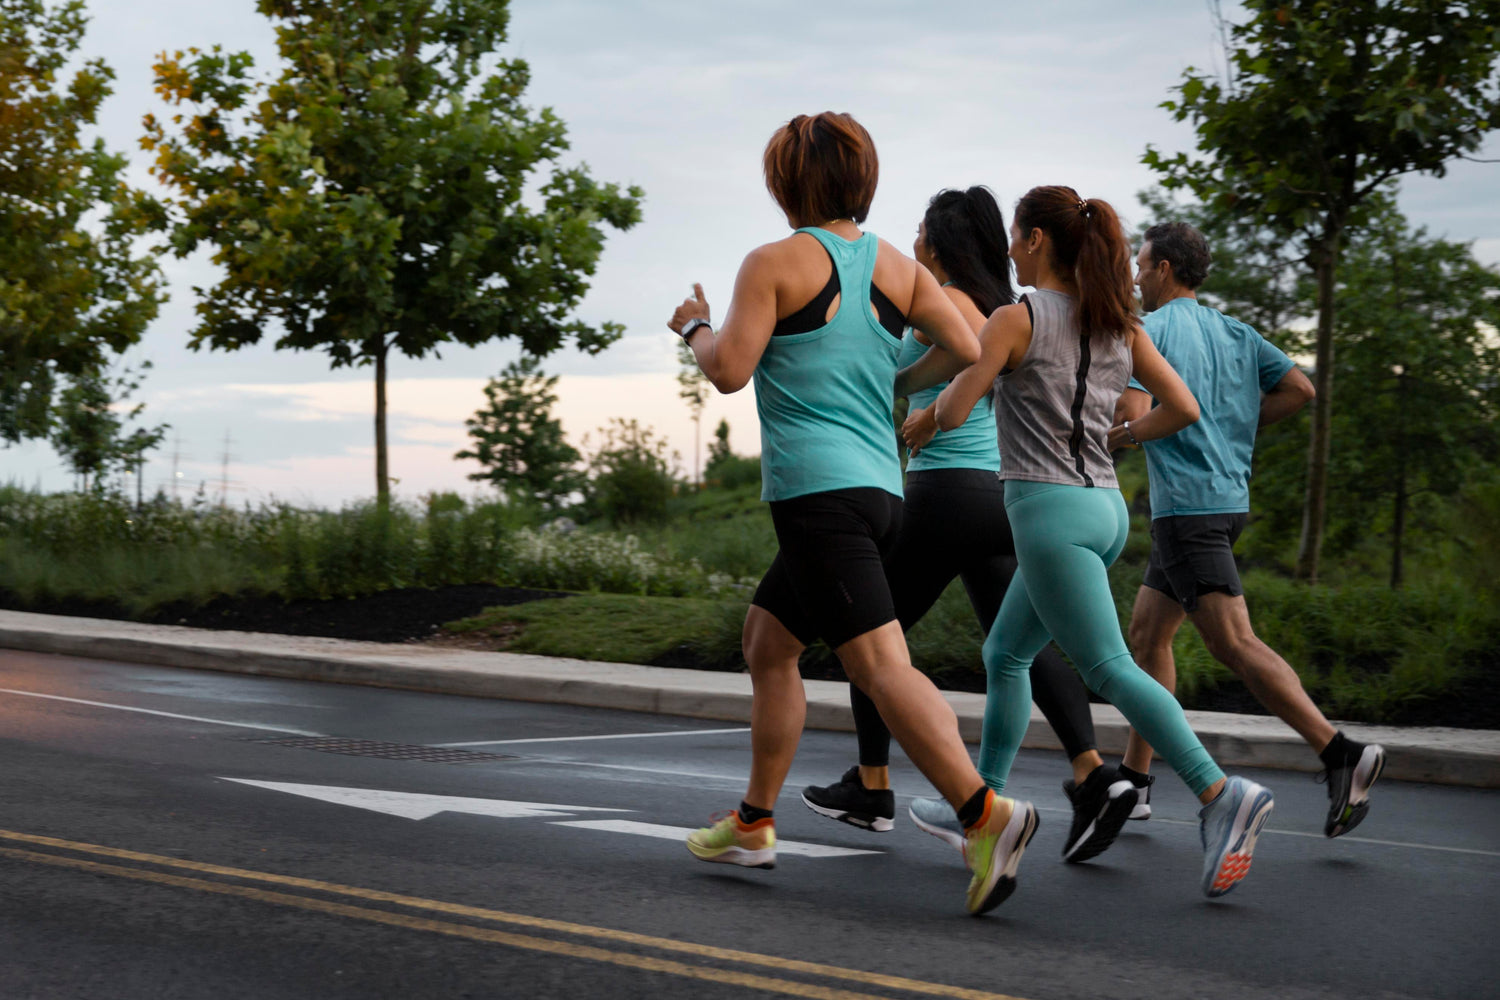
828, 578
1194, 555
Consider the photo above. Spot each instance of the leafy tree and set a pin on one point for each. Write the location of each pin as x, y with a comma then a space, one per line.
724, 467
718, 448
631, 474
517, 440
1416, 319
88, 427
72, 289
381, 194
692, 389
1324, 103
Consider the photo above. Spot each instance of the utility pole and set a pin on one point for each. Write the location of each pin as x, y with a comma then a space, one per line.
224, 477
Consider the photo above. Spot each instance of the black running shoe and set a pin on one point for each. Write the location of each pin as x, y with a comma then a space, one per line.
1349, 787
1101, 805
849, 801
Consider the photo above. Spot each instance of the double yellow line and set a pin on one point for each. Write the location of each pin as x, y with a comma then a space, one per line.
572, 949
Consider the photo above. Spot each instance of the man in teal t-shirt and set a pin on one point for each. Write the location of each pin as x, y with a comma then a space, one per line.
1200, 499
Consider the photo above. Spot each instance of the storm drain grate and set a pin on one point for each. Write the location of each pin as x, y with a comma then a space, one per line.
385, 751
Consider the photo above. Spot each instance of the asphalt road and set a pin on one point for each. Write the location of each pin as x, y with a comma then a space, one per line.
154, 843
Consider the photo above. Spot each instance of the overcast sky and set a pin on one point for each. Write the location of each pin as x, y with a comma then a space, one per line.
679, 97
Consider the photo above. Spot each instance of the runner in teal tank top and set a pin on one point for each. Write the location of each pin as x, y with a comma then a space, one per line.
823, 395
969, 446
816, 320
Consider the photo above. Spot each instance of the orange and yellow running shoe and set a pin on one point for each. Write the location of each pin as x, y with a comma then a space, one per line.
993, 851
731, 841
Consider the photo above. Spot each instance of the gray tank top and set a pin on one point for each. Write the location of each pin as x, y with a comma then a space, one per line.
1055, 409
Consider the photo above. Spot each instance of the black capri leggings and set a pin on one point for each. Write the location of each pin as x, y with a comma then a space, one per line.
954, 524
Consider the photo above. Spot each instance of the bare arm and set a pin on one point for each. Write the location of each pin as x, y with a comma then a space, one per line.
954, 346
1177, 408
729, 355
1003, 341
1286, 397
1133, 405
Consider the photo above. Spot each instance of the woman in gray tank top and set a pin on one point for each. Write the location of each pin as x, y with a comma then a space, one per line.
1063, 356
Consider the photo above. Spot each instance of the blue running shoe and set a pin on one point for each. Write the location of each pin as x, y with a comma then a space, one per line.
1228, 826
938, 818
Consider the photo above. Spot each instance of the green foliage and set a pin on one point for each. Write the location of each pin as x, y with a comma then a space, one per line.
605, 562
1324, 102
88, 430
725, 469
517, 440
72, 290
610, 627
631, 477
370, 198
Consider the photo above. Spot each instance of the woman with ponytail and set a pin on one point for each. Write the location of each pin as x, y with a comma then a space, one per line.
1063, 355
954, 525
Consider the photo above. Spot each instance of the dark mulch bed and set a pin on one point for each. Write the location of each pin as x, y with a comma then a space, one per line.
416, 614
389, 616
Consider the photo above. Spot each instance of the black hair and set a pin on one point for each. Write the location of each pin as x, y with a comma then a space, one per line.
966, 233
1182, 246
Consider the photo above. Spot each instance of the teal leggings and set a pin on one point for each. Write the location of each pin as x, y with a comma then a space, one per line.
1066, 539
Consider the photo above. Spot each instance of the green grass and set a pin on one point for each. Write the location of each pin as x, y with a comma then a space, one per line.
619, 628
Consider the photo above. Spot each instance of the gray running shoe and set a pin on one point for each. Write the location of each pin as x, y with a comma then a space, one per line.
1349, 787
938, 818
1228, 827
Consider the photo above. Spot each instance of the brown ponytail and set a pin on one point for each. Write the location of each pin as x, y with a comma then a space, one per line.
1089, 243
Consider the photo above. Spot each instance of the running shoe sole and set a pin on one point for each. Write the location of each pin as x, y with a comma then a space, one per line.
1361, 777
1098, 835
1002, 878
943, 833
876, 824
763, 858
1235, 851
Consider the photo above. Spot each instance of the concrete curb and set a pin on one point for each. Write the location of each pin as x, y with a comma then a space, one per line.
1445, 756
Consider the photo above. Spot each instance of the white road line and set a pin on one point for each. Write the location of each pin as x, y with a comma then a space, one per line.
1346, 839
679, 832
580, 739
152, 711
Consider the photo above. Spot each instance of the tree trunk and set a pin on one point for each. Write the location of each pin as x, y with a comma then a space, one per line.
1398, 527
1325, 256
382, 467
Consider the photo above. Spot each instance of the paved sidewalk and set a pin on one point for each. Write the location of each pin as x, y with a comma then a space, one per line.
1446, 756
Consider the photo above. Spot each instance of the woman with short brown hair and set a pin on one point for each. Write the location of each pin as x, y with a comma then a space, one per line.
816, 320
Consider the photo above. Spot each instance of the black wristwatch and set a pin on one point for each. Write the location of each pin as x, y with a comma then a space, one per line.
691, 327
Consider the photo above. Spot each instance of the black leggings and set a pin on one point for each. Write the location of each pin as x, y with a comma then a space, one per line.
954, 524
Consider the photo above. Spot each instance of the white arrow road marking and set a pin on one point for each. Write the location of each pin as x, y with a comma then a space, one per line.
680, 832
415, 805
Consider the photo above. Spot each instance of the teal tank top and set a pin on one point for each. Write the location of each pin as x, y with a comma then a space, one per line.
971, 445
825, 397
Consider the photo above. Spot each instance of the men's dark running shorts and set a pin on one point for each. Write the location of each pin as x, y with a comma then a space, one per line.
1193, 555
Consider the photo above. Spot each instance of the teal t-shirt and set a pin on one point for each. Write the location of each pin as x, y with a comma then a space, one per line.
971, 445
824, 397
1205, 467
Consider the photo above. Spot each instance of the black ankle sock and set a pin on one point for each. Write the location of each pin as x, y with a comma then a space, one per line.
749, 814
971, 811
1338, 750
1135, 777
